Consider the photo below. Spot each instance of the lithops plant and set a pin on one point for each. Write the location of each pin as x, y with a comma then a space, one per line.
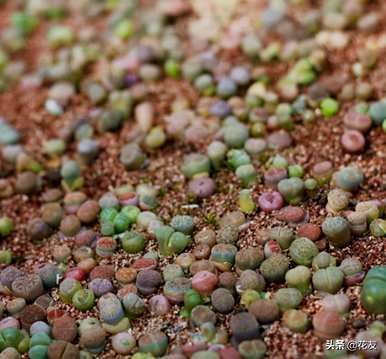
373, 295
292, 189
282, 235
378, 227
249, 258
275, 267
357, 222
328, 280
323, 260
288, 298
338, 302
349, 178
370, 209
299, 278
303, 250
337, 200
328, 324
337, 230
223, 256
296, 320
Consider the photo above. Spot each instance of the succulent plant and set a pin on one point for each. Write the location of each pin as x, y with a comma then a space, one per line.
378, 227
223, 256
246, 202
250, 279
222, 300
350, 266
299, 278
337, 200
183, 223
247, 175
370, 209
217, 151
132, 242
288, 298
373, 295
244, 326
252, 349
169, 241
337, 230
265, 310
155, 343
237, 158
282, 235
176, 289
328, 280
349, 178
275, 267
194, 164
235, 135
328, 324
296, 320
338, 302
303, 250
202, 314
292, 189
249, 258
323, 260
110, 308
133, 304
357, 222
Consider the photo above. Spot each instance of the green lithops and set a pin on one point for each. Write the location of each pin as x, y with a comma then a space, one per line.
235, 135
216, 152
275, 267
223, 256
132, 156
349, 178
292, 189
288, 298
350, 266
246, 202
282, 235
303, 250
337, 230
299, 278
169, 241
247, 175
323, 260
378, 227
296, 320
194, 164
373, 295
132, 242
6, 226
183, 223
237, 158
328, 280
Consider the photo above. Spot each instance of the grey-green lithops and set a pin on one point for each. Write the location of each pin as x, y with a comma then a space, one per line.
302, 250
337, 230
328, 280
